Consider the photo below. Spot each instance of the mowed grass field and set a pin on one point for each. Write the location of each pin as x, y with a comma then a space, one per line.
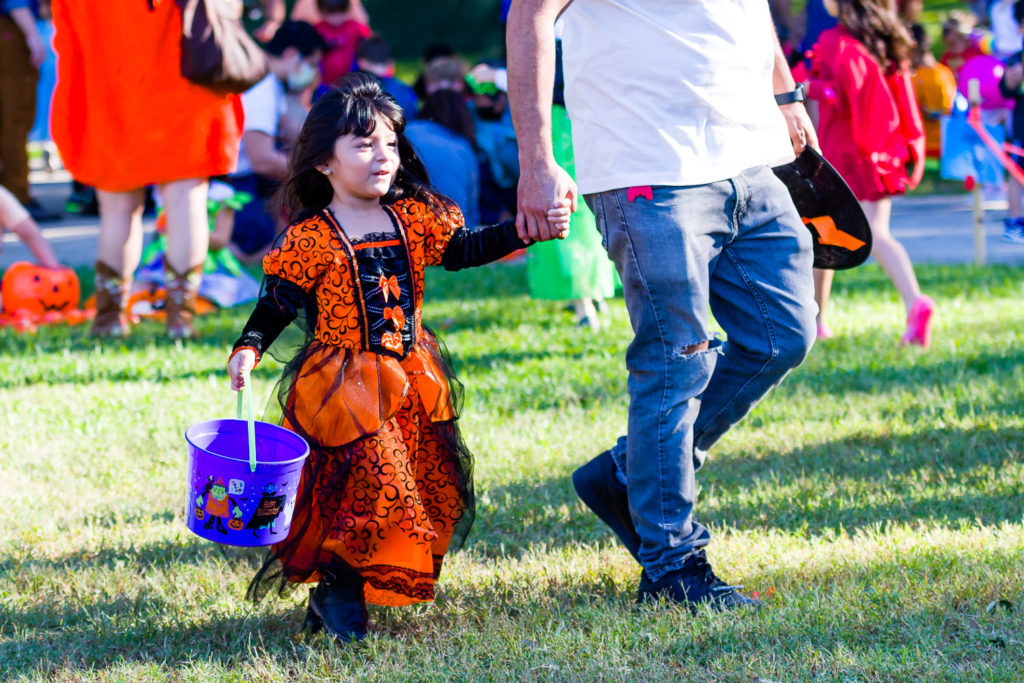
874, 500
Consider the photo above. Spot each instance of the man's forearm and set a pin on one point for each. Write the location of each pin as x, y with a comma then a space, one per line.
531, 75
782, 77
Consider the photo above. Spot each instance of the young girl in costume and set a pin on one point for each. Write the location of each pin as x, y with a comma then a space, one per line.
387, 488
870, 128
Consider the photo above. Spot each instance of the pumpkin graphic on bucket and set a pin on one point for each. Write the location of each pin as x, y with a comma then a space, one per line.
242, 479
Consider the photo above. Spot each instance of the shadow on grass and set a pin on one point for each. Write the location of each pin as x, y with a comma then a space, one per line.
70, 635
857, 482
889, 617
140, 631
162, 555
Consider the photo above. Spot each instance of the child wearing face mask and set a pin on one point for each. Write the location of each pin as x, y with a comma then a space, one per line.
387, 488
272, 122
344, 25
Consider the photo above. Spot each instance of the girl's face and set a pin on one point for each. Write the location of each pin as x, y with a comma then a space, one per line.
365, 167
832, 7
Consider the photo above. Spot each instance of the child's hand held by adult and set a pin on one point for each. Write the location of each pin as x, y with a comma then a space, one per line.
241, 363
558, 219
540, 188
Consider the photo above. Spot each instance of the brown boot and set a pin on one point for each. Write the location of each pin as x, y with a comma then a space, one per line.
111, 300
182, 291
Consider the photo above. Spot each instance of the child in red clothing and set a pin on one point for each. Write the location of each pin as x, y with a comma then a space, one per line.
344, 25
870, 128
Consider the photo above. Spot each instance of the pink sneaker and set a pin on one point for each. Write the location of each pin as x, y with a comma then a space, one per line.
824, 331
919, 322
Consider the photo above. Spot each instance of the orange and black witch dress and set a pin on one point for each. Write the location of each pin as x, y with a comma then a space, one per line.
387, 489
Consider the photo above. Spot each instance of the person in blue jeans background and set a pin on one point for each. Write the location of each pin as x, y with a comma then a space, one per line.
674, 157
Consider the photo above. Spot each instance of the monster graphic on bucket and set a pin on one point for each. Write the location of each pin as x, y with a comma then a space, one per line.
218, 506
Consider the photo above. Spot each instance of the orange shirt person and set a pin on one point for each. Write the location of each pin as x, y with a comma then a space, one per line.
124, 117
935, 86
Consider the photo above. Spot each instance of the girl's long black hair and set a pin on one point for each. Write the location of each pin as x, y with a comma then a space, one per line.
351, 108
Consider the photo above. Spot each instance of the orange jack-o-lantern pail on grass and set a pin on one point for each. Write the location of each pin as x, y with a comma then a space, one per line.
38, 290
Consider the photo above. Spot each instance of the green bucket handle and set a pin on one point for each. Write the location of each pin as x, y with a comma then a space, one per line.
246, 394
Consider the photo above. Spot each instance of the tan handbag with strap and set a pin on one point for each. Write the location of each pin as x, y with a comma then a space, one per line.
216, 52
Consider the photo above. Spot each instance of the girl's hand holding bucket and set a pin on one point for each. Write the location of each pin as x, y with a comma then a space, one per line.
239, 500
242, 361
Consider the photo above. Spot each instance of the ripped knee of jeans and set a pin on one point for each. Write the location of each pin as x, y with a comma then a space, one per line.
688, 351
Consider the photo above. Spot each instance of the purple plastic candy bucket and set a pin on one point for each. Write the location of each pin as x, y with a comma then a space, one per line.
229, 502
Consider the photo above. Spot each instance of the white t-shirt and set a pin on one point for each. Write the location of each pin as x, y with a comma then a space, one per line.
670, 92
264, 105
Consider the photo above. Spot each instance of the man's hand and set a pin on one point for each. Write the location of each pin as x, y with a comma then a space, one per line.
541, 187
801, 130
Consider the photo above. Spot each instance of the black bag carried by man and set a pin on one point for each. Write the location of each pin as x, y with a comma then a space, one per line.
216, 52
829, 209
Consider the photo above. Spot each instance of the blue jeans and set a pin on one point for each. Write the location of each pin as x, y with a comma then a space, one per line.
739, 248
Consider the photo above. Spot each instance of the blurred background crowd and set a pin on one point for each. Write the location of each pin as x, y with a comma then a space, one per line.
443, 63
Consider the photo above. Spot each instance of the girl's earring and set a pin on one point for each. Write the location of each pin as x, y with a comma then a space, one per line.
326, 171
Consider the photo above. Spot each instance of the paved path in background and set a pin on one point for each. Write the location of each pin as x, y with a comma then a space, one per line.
936, 229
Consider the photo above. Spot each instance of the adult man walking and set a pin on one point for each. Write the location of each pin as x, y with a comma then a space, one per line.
674, 129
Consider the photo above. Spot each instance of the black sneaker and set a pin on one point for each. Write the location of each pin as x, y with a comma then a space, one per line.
598, 487
693, 585
337, 606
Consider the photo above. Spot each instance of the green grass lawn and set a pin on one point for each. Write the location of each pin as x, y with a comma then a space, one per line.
875, 499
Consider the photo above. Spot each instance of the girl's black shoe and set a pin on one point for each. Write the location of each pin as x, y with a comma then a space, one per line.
337, 606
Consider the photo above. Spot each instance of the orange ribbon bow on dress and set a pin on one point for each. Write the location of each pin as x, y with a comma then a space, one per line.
392, 341
389, 285
396, 315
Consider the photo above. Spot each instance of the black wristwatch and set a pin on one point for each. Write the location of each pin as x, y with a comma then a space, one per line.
795, 95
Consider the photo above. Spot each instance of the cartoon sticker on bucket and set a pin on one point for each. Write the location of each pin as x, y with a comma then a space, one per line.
218, 505
268, 508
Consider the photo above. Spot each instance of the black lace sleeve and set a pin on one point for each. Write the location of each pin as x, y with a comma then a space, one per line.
278, 306
469, 248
